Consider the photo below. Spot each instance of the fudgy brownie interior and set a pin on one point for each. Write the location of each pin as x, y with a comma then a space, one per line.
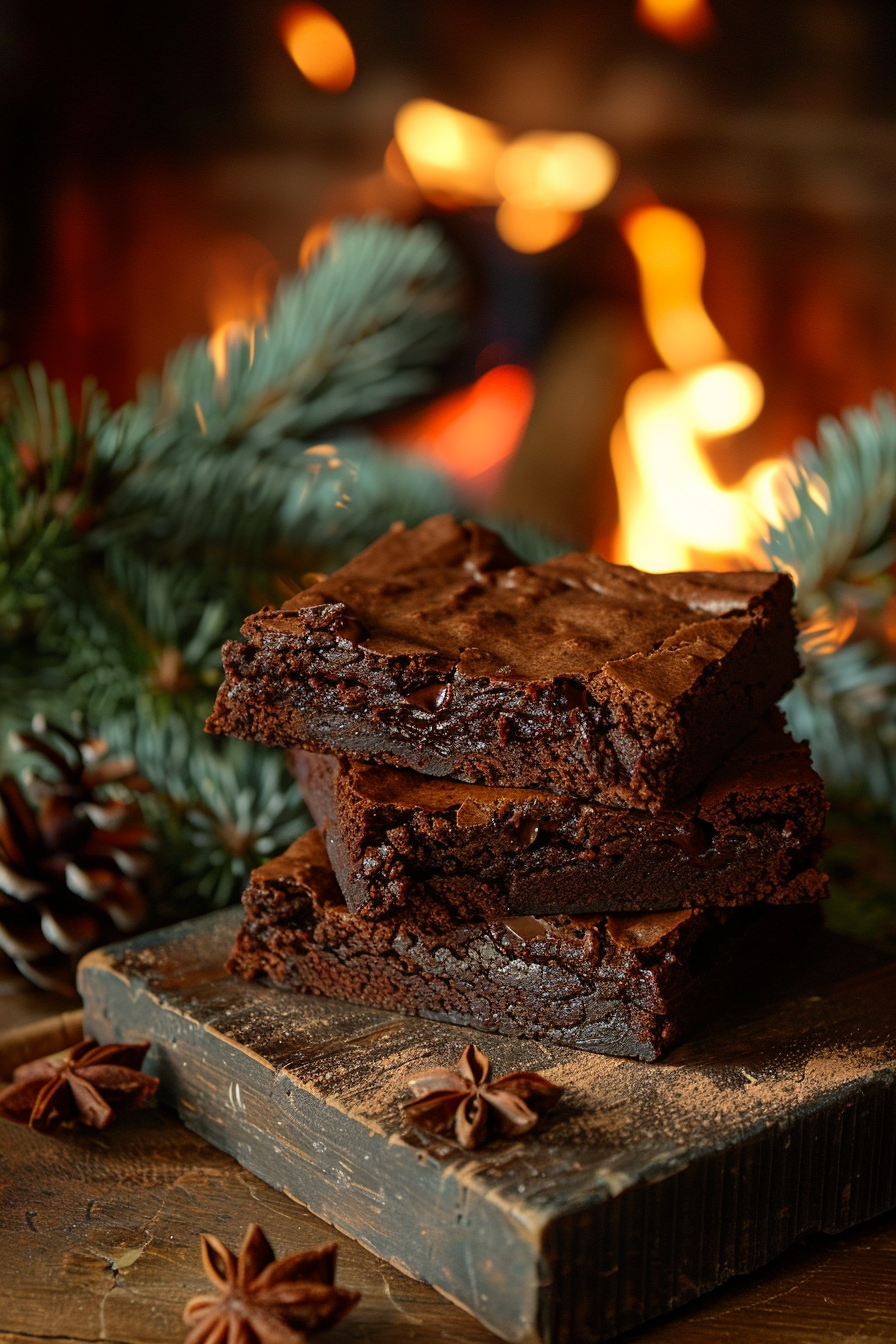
448, 850
615, 984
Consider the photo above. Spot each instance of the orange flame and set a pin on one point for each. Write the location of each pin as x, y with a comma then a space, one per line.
671, 255
319, 45
678, 20
674, 514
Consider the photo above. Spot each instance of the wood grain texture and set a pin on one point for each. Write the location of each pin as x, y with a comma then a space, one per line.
100, 1239
76, 1208
647, 1187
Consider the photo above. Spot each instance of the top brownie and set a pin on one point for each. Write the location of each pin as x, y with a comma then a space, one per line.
437, 649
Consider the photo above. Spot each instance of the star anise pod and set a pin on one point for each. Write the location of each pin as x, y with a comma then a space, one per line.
474, 1107
91, 1085
261, 1300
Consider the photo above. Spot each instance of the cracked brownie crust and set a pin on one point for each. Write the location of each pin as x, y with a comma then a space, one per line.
613, 984
446, 850
438, 650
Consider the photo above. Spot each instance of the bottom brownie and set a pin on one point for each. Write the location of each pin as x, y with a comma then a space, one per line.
613, 984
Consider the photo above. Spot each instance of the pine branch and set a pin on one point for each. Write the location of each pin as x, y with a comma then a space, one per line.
239, 807
134, 545
840, 498
356, 333
838, 543
45, 471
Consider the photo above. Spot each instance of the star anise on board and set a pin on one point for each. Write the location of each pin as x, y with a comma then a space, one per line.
261, 1300
472, 1106
89, 1087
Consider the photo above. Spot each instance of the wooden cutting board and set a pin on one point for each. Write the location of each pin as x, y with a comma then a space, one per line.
649, 1185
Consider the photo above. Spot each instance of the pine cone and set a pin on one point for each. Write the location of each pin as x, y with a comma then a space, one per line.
72, 855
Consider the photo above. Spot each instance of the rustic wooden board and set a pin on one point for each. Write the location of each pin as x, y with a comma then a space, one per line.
100, 1242
650, 1185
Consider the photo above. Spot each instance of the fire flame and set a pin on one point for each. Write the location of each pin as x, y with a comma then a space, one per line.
319, 45
678, 20
674, 514
671, 256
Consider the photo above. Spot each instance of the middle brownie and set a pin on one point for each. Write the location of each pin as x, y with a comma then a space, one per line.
447, 850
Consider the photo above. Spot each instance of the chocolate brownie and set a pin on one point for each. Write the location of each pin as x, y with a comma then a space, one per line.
613, 984
437, 649
446, 850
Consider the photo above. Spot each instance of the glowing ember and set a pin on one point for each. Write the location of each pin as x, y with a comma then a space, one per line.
319, 45
678, 20
562, 172
472, 431
451, 155
528, 229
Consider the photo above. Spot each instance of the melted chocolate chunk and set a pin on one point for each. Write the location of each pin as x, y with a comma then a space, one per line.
431, 697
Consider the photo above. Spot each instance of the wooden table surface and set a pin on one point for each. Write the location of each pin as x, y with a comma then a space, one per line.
99, 1242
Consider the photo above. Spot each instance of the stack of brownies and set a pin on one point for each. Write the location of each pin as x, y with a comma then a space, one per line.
552, 800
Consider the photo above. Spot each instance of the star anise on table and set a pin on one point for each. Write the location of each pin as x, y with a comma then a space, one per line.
89, 1087
261, 1300
474, 1107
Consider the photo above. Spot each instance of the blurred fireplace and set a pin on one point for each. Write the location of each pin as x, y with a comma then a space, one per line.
140, 238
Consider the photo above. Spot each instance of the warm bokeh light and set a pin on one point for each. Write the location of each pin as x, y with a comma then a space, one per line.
395, 164
316, 238
534, 230
319, 45
673, 513
566, 172
678, 20
451, 155
242, 279
472, 431
671, 255
826, 631
724, 398
223, 339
